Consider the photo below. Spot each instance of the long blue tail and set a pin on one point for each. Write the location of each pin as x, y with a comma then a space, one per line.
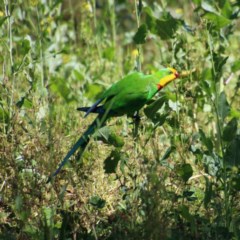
82, 142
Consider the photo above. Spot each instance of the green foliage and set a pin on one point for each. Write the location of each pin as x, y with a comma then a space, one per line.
140, 36
111, 162
173, 175
97, 202
184, 171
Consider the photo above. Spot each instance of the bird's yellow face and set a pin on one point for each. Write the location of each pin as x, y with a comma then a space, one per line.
171, 75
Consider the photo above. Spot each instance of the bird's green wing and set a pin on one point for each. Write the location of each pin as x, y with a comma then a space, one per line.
130, 94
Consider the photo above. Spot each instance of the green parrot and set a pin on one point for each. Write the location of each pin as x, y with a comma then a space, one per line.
126, 96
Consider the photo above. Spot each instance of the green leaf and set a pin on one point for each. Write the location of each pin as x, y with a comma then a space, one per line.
206, 141
97, 202
60, 87
150, 19
212, 163
25, 46
111, 162
78, 75
219, 62
206, 87
217, 20
236, 66
229, 131
208, 193
152, 109
232, 154
92, 91
168, 153
227, 9
24, 102
108, 136
140, 36
165, 27
184, 171
223, 106
109, 53
2, 20
184, 211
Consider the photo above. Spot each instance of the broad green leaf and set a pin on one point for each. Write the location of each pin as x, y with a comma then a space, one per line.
25, 46
236, 66
140, 36
212, 163
208, 192
24, 102
2, 20
165, 27
108, 136
223, 106
184, 171
78, 75
229, 131
97, 202
152, 108
219, 62
151, 111
217, 20
226, 9
150, 19
111, 162
109, 53
206, 87
206, 141
232, 154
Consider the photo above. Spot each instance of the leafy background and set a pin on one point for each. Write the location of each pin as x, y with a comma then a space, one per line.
175, 175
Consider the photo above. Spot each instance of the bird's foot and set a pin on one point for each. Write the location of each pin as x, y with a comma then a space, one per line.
136, 119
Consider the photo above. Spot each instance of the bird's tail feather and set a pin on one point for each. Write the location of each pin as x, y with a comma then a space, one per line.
82, 142
98, 110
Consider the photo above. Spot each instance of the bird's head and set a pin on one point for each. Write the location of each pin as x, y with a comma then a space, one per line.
166, 76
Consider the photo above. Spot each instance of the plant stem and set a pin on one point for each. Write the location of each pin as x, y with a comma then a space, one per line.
138, 13
219, 124
10, 48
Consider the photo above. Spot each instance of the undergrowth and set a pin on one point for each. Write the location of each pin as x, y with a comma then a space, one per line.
175, 175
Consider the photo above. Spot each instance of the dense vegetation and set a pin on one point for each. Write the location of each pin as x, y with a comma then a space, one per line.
174, 175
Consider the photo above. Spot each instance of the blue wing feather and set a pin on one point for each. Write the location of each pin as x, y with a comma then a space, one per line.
93, 107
